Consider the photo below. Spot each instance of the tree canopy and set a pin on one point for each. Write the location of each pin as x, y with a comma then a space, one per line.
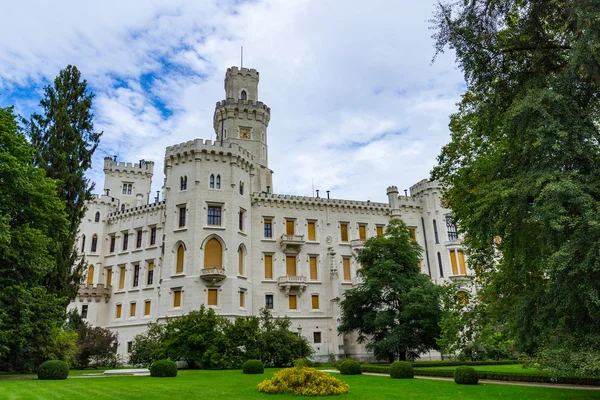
396, 309
523, 164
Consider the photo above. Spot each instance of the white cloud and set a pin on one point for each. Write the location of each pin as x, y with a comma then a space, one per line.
356, 105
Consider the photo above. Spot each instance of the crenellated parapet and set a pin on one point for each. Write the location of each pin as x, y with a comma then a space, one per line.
104, 200
244, 110
306, 202
422, 186
245, 72
141, 167
205, 149
136, 210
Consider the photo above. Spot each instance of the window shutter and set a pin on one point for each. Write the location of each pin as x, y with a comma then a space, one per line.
311, 231
290, 265
212, 297
313, 268
346, 268
453, 262
315, 301
268, 267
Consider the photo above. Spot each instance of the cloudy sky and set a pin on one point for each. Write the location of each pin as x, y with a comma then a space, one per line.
356, 104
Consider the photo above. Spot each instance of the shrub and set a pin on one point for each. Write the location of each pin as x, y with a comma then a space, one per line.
401, 370
303, 381
253, 367
308, 363
350, 367
163, 369
465, 376
53, 370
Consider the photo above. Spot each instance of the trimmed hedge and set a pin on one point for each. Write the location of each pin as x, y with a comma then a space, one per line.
466, 376
53, 370
377, 369
401, 370
427, 364
513, 377
253, 367
163, 369
350, 367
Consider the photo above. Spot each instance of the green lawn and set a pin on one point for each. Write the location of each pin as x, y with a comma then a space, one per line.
495, 368
236, 385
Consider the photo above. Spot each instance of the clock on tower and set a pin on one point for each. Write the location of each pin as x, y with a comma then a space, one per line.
245, 133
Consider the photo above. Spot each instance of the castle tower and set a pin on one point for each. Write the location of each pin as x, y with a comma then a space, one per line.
128, 182
240, 118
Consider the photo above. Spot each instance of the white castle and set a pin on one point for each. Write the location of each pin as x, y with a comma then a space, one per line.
222, 238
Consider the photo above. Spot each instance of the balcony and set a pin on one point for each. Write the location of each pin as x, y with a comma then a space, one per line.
357, 280
289, 282
213, 275
454, 242
96, 293
357, 243
292, 244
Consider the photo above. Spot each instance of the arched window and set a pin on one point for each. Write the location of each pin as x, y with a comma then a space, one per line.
183, 182
435, 232
440, 265
83, 243
180, 257
212, 181
90, 275
243, 95
241, 260
94, 243
213, 254
97, 217
241, 188
218, 181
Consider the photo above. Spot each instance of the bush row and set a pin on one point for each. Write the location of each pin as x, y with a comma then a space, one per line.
511, 376
426, 364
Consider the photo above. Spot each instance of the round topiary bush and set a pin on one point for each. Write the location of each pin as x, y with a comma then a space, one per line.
303, 381
253, 367
465, 376
350, 367
163, 369
54, 370
401, 370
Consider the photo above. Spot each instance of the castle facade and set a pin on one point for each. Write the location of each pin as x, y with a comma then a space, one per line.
222, 237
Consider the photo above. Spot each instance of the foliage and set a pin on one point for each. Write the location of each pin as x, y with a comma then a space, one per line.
396, 310
523, 165
62, 346
54, 370
567, 359
253, 367
401, 370
465, 376
163, 369
30, 215
350, 367
303, 381
96, 344
309, 363
64, 138
146, 348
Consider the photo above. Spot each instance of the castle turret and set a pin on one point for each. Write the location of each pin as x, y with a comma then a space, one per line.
125, 181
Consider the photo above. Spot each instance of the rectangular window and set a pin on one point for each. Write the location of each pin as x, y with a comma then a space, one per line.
242, 299
147, 307
152, 236
241, 216
150, 273
362, 232
84, 311
177, 298
182, 211
124, 188
132, 309
451, 227
315, 301
290, 226
129, 186
138, 239
312, 232
118, 311
461, 263
346, 263
453, 262
136, 275
109, 277
292, 301
121, 277
214, 215
379, 231
313, 268
316, 337
129, 347
268, 224
125, 240
269, 301
113, 240
268, 266
412, 234
290, 265
344, 232
212, 297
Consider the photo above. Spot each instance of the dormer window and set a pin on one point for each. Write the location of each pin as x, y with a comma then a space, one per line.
243, 96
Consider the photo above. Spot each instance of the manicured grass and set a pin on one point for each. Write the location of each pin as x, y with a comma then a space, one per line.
236, 385
496, 368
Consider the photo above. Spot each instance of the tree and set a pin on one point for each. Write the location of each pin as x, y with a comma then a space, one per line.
279, 346
30, 215
522, 169
147, 347
64, 138
96, 344
396, 310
